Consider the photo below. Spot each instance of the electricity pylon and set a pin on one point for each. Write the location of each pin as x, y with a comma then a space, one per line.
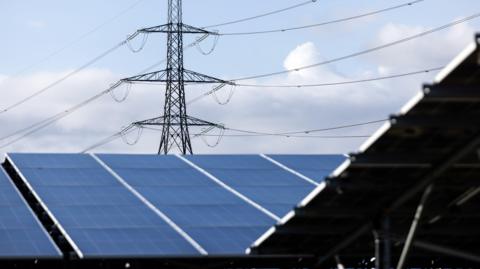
175, 121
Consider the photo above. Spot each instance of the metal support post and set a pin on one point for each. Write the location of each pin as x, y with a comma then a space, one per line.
413, 227
382, 245
339, 262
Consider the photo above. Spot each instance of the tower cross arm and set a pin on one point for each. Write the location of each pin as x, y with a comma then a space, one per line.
188, 77
175, 28
189, 120
192, 76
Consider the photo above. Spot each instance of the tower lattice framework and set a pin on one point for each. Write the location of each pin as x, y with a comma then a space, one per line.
175, 121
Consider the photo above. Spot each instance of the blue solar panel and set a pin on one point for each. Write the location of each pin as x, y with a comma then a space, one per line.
20, 232
316, 167
100, 216
257, 178
219, 221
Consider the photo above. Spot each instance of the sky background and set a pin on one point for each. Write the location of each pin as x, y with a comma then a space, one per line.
33, 30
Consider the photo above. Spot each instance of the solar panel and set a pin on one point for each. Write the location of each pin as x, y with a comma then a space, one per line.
415, 183
316, 167
262, 181
217, 219
21, 235
96, 213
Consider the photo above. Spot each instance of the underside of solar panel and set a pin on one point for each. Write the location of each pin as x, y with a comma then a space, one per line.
91, 207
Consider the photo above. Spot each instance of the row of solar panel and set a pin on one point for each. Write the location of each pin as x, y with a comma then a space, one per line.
148, 205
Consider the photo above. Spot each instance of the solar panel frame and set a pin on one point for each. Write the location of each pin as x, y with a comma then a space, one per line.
44, 206
90, 250
315, 167
36, 221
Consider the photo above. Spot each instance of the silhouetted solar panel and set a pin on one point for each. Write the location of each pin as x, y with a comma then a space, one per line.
21, 234
316, 167
99, 216
257, 178
217, 219
415, 183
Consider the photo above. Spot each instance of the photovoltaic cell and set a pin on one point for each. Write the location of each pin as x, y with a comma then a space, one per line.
315, 167
100, 216
21, 235
218, 220
265, 183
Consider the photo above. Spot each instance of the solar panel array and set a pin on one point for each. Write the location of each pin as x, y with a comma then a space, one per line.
153, 206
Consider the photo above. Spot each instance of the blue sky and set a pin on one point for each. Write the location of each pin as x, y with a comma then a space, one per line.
33, 30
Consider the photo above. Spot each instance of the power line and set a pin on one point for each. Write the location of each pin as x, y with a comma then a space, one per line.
261, 15
50, 120
57, 117
89, 63
55, 83
342, 82
292, 136
78, 39
377, 48
319, 84
124, 131
41, 125
283, 30
338, 59
33, 128
252, 133
110, 138
62, 79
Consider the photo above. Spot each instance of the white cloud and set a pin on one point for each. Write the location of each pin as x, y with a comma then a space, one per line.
78, 130
262, 109
2, 78
429, 51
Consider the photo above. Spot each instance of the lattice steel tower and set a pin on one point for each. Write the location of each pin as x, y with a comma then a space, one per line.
175, 121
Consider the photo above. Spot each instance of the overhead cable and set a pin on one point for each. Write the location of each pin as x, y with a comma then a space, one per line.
142, 44
252, 133
122, 98
123, 135
363, 52
283, 30
341, 82
261, 15
229, 94
337, 83
78, 39
291, 136
124, 131
209, 51
50, 120
31, 129
205, 131
62, 79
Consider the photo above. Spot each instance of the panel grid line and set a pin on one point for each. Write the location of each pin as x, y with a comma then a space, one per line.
286, 168
40, 201
170, 222
230, 189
